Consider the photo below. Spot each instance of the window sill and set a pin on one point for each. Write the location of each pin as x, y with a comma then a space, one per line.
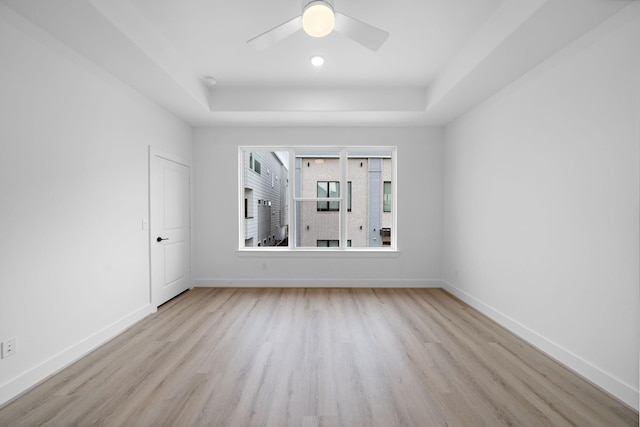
269, 252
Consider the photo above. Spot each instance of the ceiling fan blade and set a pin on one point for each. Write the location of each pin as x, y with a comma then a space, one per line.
274, 35
361, 32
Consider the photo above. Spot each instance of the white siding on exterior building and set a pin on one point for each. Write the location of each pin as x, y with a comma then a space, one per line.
265, 218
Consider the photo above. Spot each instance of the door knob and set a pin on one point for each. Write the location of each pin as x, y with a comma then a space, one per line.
160, 239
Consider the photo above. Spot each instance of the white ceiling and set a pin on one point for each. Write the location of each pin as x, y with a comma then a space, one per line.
441, 58
212, 37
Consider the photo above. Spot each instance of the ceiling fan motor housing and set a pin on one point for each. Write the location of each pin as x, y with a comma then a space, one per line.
318, 17
306, 3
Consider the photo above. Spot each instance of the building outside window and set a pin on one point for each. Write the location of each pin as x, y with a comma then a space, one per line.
322, 215
264, 205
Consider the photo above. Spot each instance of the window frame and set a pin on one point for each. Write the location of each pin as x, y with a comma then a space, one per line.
345, 198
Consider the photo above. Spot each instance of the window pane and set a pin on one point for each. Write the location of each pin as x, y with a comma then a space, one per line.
316, 173
323, 189
367, 171
323, 192
387, 197
334, 191
328, 189
313, 226
265, 193
330, 243
313, 166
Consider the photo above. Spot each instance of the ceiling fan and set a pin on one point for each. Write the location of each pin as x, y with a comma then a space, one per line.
318, 19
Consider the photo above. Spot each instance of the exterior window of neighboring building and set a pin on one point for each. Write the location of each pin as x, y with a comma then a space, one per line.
331, 189
331, 243
337, 198
328, 189
386, 201
254, 163
248, 203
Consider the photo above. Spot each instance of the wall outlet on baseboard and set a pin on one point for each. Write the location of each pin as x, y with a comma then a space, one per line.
8, 348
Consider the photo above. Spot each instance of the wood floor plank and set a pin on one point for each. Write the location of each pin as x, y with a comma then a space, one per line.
316, 357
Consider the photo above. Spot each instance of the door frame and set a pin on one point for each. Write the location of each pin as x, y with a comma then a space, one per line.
152, 152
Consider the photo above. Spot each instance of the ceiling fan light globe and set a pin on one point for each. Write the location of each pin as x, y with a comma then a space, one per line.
318, 18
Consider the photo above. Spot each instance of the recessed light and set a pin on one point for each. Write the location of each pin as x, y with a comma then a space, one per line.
317, 61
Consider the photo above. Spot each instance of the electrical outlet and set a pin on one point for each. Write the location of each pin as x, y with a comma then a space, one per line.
8, 348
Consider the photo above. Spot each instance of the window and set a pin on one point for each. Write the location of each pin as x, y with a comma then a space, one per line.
332, 189
302, 202
263, 201
328, 243
248, 203
327, 190
386, 201
331, 243
385, 236
254, 163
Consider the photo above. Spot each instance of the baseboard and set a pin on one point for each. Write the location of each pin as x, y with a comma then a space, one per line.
620, 390
34, 376
316, 283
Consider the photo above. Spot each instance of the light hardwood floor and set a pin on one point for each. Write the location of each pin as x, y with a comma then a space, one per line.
316, 357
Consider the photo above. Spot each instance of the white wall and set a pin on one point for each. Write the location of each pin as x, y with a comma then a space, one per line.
217, 262
541, 206
73, 192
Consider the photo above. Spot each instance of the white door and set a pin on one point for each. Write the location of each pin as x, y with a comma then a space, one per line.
170, 228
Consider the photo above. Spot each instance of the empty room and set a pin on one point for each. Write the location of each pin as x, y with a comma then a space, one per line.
319, 212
